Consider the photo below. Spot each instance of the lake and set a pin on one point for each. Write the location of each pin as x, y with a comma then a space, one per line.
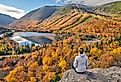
24, 38
28, 34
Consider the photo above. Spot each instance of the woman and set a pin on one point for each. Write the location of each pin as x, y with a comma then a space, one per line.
81, 62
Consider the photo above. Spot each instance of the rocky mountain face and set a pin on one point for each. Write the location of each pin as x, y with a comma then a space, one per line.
5, 19
112, 74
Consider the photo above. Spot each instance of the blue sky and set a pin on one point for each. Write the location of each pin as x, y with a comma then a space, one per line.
27, 5
21, 7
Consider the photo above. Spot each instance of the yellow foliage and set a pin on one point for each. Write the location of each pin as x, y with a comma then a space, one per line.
33, 79
19, 68
58, 50
114, 44
63, 64
65, 50
34, 57
47, 60
34, 65
54, 55
12, 74
49, 76
12, 80
116, 51
96, 52
45, 68
28, 64
35, 53
9, 77
69, 52
30, 74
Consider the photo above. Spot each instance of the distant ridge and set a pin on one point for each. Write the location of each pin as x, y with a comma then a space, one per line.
110, 8
6, 19
40, 13
98, 2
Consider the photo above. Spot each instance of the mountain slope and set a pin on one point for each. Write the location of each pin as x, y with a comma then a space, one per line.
35, 16
110, 8
3, 30
41, 13
5, 19
84, 19
70, 18
74, 22
98, 2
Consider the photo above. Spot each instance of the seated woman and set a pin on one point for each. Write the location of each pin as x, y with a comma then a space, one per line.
81, 62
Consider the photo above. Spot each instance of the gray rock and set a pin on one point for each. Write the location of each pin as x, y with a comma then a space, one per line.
112, 74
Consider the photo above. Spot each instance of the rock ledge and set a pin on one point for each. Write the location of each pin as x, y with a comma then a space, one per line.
112, 74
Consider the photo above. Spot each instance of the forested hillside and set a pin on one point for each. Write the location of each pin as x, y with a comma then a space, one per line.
3, 30
49, 63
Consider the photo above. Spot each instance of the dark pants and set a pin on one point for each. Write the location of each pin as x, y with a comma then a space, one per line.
77, 71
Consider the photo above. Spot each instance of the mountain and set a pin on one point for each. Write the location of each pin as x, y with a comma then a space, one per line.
69, 18
35, 16
110, 8
41, 13
5, 19
73, 19
98, 2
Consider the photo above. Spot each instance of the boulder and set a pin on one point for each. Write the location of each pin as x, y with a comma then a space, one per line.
112, 74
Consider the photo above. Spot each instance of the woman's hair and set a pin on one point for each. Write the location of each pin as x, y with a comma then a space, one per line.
81, 50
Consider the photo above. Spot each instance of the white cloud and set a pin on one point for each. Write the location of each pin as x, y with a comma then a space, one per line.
57, 1
69, 1
12, 11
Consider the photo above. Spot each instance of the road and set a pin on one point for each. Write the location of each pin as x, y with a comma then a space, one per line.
8, 56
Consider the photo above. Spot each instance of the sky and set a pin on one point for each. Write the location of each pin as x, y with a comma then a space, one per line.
18, 8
